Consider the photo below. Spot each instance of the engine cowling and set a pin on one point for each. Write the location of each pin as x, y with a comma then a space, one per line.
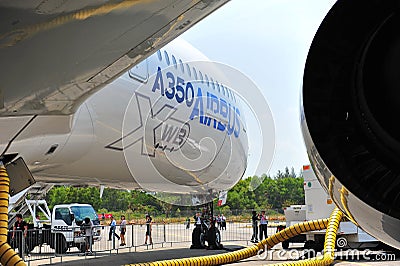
350, 102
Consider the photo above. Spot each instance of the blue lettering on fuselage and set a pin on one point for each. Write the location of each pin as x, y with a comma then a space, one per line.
176, 88
212, 111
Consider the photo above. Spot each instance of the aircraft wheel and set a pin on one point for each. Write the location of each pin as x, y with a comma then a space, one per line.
203, 239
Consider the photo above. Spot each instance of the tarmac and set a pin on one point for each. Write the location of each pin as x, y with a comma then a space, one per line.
183, 251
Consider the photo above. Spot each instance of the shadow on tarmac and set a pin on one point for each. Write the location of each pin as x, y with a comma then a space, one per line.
146, 256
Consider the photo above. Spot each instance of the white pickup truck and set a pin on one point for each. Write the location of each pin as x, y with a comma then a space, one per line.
65, 229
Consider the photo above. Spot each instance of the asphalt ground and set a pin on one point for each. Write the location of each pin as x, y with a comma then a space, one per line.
163, 253
181, 249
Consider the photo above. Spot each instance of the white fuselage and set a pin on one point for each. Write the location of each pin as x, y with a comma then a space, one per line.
162, 126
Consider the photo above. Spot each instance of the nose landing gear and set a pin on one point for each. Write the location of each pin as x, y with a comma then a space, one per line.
205, 230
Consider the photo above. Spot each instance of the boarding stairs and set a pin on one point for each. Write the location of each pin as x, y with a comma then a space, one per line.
29, 200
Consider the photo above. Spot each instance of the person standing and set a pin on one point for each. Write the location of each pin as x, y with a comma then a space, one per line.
122, 229
38, 223
197, 220
219, 222
187, 222
196, 241
88, 226
263, 225
113, 225
254, 223
223, 222
148, 230
20, 231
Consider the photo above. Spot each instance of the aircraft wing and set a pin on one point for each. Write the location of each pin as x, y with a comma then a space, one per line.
54, 54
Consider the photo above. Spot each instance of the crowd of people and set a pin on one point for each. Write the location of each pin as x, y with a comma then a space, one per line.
220, 219
122, 230
221, 222
259, 226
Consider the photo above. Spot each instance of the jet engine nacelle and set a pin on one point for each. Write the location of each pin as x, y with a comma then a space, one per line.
350, 104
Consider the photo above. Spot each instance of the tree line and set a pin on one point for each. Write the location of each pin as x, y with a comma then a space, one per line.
273, 192
281, 190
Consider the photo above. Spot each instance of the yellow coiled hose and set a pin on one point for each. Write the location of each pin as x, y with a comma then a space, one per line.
8, 256
326, 259
329, 245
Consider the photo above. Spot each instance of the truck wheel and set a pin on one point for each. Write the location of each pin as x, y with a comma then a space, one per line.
61, 244
285, 244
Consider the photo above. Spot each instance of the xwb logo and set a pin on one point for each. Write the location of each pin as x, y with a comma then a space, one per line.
154, 129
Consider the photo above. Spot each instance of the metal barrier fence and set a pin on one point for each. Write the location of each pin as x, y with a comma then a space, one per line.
190, 212
46, 244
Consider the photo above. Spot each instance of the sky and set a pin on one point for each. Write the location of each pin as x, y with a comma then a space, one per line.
268, 41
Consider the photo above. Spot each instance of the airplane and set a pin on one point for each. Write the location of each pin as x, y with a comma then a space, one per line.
349, 105
58, 54
346, 123
166, 125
